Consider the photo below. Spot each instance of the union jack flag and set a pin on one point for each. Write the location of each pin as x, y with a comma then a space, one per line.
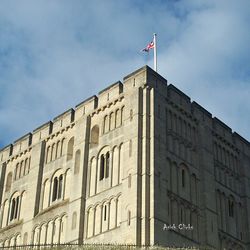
151, 45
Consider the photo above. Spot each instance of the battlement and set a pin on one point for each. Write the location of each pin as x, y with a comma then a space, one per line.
111, 92
142, 77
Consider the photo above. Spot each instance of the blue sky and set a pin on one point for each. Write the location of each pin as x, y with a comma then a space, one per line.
54, 54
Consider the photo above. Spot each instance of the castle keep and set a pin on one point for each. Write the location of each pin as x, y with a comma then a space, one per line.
125, 167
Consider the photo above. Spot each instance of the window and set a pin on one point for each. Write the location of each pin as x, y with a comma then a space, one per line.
77, 161
111, 121
105, 124
94, 138
183, 178
130, 148
105, 212
104, 166
107, 165
70, 149
48, 154
14, 208
129, 217
129, 181
60, 187
74, 219
57, 188
230, 208
8, 182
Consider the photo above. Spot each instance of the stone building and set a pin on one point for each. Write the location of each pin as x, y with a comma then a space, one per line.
138, 164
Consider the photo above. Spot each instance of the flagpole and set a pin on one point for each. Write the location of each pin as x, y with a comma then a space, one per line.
155, 53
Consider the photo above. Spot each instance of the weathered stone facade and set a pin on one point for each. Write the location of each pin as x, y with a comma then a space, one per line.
126, 167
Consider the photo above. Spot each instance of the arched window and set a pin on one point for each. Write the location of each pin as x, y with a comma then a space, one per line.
57, 149
70, 149
129, 181
21, 169
111, 121
62, 146
105, 124
26, 168
17, 171
14, 208
94, 138
129, 217
130, 148
74, 220
53, 152
105, 213
77, 161
231, 207
48, 154
25, 238
59, 196
122, 115
12, 211
8, 182
183, 178
107, 165
117, 118
102, 167
55, 188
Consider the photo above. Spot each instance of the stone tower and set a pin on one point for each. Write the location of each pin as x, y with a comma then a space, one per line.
138, 164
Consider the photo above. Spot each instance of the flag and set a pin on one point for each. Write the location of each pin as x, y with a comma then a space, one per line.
151, 45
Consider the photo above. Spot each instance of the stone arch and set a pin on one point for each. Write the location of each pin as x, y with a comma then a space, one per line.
174, 177
70, 148
4, 213
121, 161
48, 154
42, 233
17, 169
57, 184
66, 184
98, 219
113, 213
15, 204
115, 174
77, 161
90, 219
105, 124
103, 166
50, 226
105, 215
53, 153
184, 180
94, 136
122, 114
194, 189
46, 186
58, 150
117, 118
63, 225
25, 239
74, 220
26, 166
8, 182
36, 237
111, 121
62, 146
92, 176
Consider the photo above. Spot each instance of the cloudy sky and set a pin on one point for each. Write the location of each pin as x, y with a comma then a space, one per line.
54, 54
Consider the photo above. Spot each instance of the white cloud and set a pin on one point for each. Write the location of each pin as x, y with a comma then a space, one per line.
53, 54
